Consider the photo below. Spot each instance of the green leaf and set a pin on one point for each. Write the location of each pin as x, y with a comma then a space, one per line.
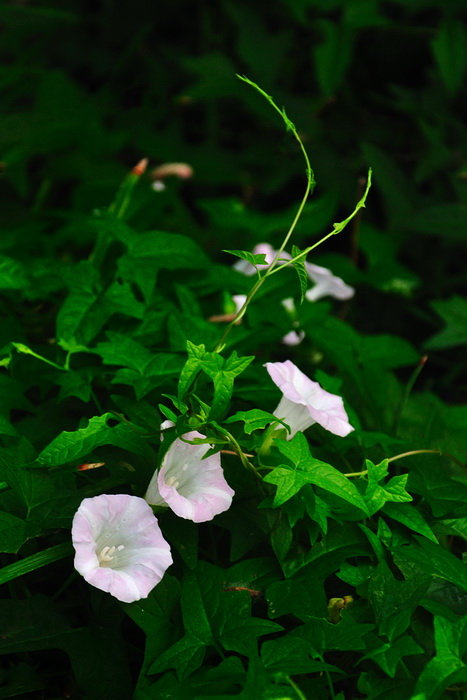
410, 517
170, 251
447, 666
332, 55
191, 367
122, 350
12, 274
154, 615
454, 314
346, 635
390, 654
241, 635
449, 48
292, 597
35, 561
12, 533
223, 373
387, 351
308, 470
299, 266
195, 614
254, 419
434, 560
185, 656
84, 312
446, 220
252, 258
70, 446
394, 601
75, 383
376, 494
290, 654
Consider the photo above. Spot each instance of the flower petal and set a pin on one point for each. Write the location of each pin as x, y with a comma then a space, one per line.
326, 284
119, 546
193, 487
323, 407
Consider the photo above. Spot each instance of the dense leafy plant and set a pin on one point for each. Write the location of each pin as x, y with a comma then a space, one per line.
335, 572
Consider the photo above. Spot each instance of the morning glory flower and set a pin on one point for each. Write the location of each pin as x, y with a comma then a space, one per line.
193, 487
305, 402
326, 284
119, 546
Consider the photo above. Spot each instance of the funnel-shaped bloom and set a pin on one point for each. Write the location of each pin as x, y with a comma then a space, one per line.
305, 402
193, 487
119, 546
326, 284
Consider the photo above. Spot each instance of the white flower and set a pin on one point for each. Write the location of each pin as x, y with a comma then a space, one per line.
119, 546
293, 338
193, 487
305, 402
326, 284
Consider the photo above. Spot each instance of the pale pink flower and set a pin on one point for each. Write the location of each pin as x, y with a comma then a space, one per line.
119, 546
193, 487
305, 402
326, 284
293, 338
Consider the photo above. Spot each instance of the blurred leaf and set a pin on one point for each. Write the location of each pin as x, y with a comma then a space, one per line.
12, 533
449, 48
12, 274
333, 55
454, 314
84, 311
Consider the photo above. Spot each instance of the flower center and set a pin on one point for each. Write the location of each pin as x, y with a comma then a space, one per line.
172, 481
107, 554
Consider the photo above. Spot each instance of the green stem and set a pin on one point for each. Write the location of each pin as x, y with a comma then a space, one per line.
297, 690
118, 209
27, 351
337, 229
410, 454
309, 185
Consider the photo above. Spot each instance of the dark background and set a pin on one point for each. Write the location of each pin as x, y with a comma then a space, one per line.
91, 87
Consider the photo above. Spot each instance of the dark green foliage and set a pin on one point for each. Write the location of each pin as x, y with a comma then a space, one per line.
338, 571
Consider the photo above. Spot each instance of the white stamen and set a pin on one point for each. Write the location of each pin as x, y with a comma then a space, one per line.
107, 553
172, 481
